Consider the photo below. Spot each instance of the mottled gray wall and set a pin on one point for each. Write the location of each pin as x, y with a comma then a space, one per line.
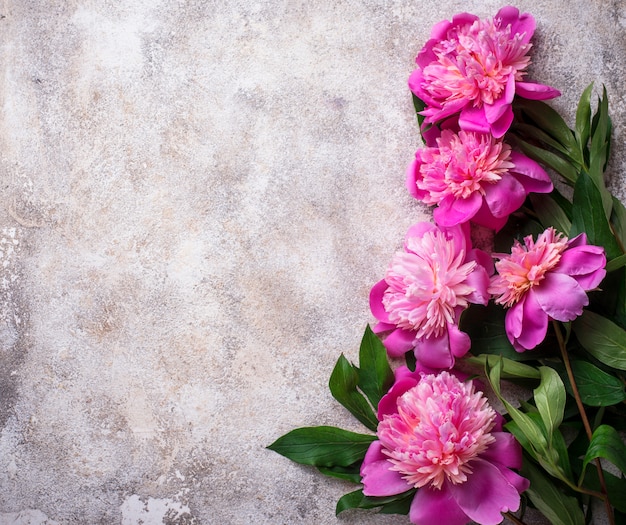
196, 199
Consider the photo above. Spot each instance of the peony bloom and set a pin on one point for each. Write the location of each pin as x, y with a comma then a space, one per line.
474, 176
439, 435
543, 280
474, 68
425, 289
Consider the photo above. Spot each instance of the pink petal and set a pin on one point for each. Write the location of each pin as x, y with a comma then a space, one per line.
479, 280
534, 323
560, 296
534, 91
585, 264
530, 174
502, 125
513, 319
504, 197
482, 258
521, 484
473, 119
505, 450
419, 229
436, 507
412, 176
434, 352
376, 301
451, 211
388, 403
486, 494
399, 342
377, 479
460, 342
523, 25
494, 112
485, 218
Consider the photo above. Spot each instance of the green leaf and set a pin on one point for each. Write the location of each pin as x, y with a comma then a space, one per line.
549, 212
616, 487
583, 118
602, 338
558, 507
375, 374
616, 264
343, 386
595, 387
548, 120
419, 106
351, 473
618, 221
398, 504
323, 446
606, 443
528, 130
552, 160
510, 369
589, 217
550, 399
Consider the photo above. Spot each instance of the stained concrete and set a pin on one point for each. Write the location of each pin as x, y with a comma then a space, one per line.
196, 199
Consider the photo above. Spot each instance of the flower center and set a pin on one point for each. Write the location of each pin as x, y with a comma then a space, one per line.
441, 425
526, 266
427, 284
475, 63
461, 164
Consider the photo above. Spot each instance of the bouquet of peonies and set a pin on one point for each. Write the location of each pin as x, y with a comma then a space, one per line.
541, 302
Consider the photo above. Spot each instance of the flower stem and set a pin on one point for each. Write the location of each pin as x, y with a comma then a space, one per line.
514, 519
585, 420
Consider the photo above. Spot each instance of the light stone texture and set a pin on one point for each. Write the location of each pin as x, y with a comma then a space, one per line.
196, 199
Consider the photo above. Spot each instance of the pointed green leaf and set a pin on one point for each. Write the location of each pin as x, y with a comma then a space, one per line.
398, 504
550, 213
528, 130
323, 446
550, 399
510, 369
606, 443
343, 386
583, 117
589, 217
616, 264
375, 374
602, 338
351, 473
618, 221
558, 507
552, 160
595, 387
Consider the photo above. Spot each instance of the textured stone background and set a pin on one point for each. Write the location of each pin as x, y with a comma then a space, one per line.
196, 199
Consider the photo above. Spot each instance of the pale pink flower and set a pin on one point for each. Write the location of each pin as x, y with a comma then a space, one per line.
473, 176
425, 289
439, 435
542, 280
474, 68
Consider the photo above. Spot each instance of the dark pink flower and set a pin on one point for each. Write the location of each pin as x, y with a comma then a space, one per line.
542, 280
474, 68
439, 435
425, 289
474, 176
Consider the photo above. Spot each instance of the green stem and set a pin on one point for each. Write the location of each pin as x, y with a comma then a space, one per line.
583, 416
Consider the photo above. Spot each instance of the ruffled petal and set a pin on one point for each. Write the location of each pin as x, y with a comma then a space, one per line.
530, 174
585, 264
388, 403
520, 24
473, 119
504, 450
534, 91
412, 176
436, 507
560, 296
479, 281
486, 494
485, 218
377, 479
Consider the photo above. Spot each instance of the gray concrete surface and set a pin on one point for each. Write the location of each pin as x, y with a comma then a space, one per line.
196, 199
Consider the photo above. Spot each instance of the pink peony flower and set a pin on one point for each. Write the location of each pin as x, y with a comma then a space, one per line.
439, 435
425, 289
543, 280
474, 176
474, 68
